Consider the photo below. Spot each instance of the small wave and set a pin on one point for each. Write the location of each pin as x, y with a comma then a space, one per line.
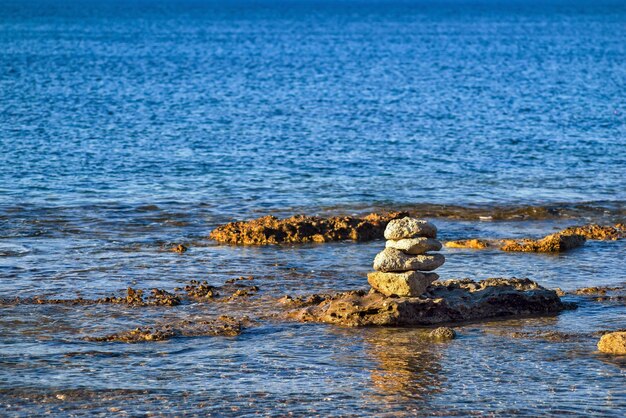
13, 250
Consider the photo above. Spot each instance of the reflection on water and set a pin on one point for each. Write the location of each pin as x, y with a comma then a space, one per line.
405, 363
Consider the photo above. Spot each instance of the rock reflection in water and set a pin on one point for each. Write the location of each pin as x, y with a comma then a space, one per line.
406, 363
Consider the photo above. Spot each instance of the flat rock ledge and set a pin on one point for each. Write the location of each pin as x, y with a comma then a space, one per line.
445, 302
302, 229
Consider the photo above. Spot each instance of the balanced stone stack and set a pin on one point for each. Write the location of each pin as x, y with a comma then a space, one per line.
404, 267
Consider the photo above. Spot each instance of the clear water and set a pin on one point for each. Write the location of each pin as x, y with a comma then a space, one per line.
125, 126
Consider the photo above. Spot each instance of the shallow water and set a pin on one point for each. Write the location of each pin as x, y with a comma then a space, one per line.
125, 128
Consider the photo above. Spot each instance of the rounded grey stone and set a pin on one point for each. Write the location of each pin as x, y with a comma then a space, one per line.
390, 260
409, 228
414, 246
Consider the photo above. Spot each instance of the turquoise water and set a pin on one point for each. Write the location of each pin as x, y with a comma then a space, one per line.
127, 126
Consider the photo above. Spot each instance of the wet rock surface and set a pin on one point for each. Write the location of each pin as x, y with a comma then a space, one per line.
613, 343
601, 293
444, 302
477, 244
564, 240
550, 244
133, 297
179, 248
301, 229
222, 326
597, 232
442, 334
194, 291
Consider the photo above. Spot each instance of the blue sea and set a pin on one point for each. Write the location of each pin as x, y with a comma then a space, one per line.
126, 126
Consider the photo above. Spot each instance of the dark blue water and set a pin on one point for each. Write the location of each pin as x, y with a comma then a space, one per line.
127, 125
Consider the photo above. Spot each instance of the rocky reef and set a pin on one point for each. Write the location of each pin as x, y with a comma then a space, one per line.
193, 291
444, 302
301, 229
567, 239
221, 326
597, 232
550, 244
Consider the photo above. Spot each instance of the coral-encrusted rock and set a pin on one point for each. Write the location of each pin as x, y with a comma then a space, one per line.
449, 301
476, 244
390, 260
409, 228
300, 228
442, 334
550, 244
415, 246
410, 283
596, 232
613, 343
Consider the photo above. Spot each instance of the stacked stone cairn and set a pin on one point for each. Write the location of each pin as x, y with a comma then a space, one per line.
404, 267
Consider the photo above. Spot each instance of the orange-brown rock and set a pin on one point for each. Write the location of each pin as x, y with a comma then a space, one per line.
613, 343
301, 228
476, 244
550, 244
596, 232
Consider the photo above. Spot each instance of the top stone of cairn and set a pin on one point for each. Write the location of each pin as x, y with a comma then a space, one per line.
409, 228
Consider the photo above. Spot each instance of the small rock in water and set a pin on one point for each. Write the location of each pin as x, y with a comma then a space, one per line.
596, 232
550, 244
180, 248
409, 228
442, 334
613, 343
410, 283
390, 260
415, 246
477, 244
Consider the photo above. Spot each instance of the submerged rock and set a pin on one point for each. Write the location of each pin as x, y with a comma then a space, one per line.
613, 343
300, 228
409, 283
133, 297
552, 243
596, 290
415, 246
442, 334
407, 227
194, 291
444, 302
136, 335
550, 336
222, 326
390, 260
180, 248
